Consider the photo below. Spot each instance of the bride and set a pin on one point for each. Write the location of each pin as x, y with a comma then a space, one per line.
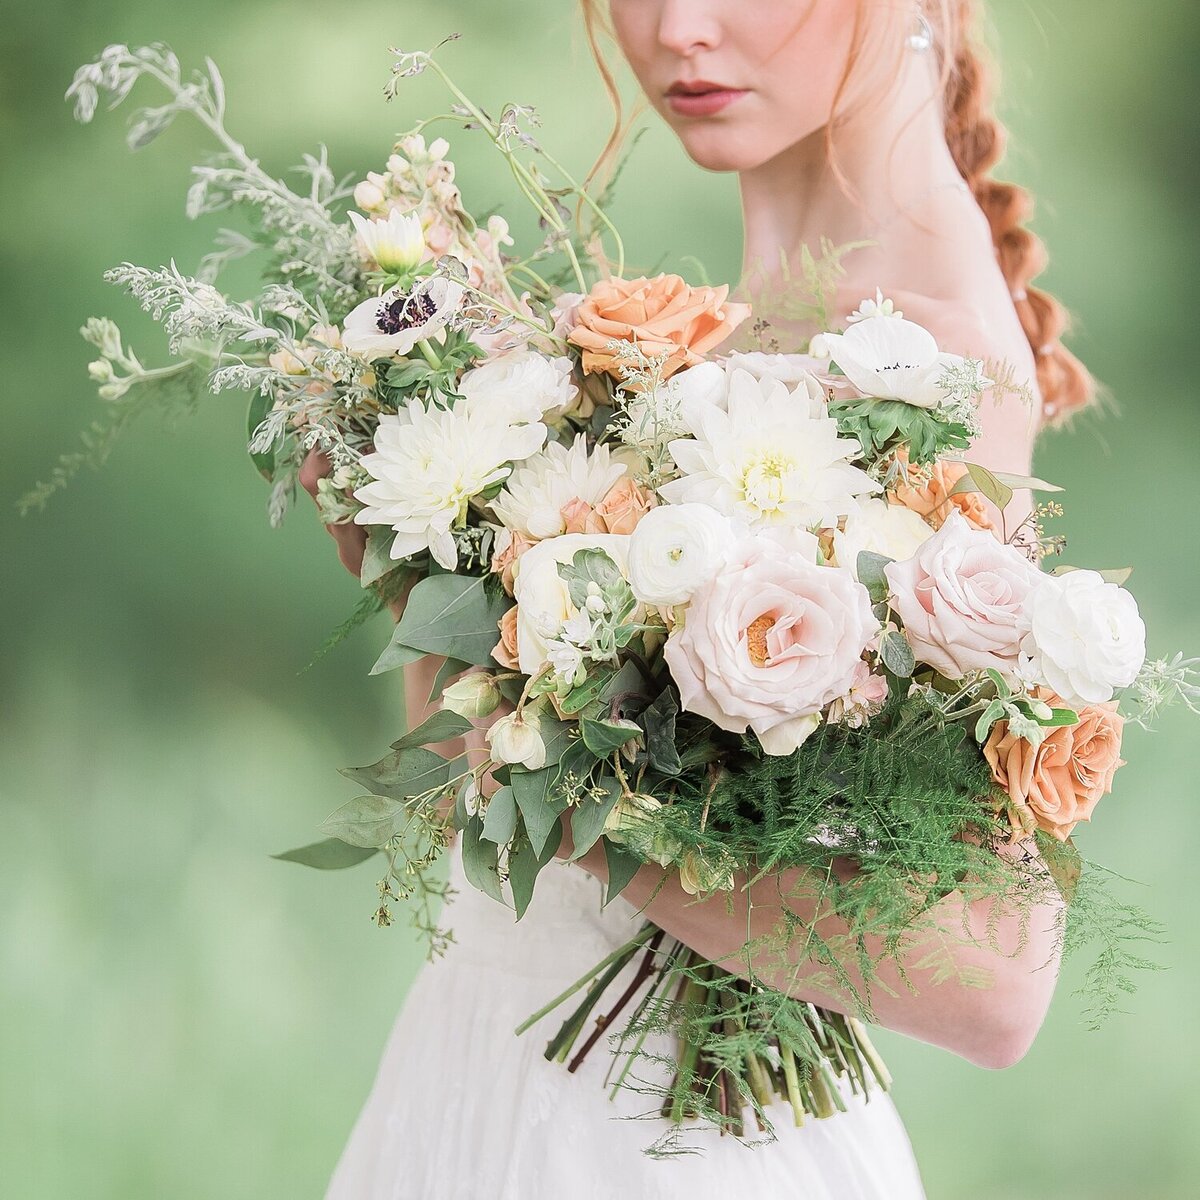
851, 120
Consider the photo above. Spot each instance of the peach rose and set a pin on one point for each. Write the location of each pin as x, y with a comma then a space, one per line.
624, 506
505, 652
664, 315
579, 517
509, 547
927, 493
1056, 785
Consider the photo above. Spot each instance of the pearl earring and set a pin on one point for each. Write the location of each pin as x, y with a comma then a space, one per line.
921, 38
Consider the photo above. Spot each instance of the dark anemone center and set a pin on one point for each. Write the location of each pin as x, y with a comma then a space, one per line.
405, 312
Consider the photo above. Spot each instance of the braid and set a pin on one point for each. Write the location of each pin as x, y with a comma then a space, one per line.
976, 140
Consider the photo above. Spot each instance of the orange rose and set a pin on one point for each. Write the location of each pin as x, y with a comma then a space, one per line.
1057, 784
504, 559
663, 315
624, 506
506, 652
927, 493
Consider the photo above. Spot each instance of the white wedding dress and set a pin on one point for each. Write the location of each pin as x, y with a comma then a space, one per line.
462, 1109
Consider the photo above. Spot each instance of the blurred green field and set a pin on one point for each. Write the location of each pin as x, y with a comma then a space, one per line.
182, 1017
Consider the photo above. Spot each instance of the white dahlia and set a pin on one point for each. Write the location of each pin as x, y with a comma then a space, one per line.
427, 466
534, 497
771, 459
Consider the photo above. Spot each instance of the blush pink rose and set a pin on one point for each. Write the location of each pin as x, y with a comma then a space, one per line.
769, 642
961, 597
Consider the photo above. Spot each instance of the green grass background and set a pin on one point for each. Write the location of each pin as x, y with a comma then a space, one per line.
182, 1017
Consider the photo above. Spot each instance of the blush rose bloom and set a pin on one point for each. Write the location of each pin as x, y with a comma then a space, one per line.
664, 315
769, 642
962, 597
1056, 785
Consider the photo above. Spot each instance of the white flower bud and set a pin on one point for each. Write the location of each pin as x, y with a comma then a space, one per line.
368, 196
100, 370
475, 695
516, 740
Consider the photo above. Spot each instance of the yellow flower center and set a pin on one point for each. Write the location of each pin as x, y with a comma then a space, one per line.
756, 639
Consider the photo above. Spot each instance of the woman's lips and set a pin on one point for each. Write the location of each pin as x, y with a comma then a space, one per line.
703, 104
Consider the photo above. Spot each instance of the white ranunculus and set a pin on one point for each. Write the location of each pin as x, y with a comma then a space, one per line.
396, 242
890, 358
798, 371
675, 549
392, 324
883, 528
768, 460
1084, 637
534, 497
516, 740
543, 602
519, 386
428, 464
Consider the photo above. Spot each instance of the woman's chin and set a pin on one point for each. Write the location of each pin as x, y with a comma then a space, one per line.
723, 149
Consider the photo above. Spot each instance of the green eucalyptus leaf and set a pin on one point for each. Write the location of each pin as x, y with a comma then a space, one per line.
540, 806
405, 773
451, 667
500, 820
330, 855
377, 557
622, 867
578, 698
871, 575
587, 821
524, 865
440, 727
980, 479
453, 615
479, 859
367, 821
603, 738
396, 654
897, 654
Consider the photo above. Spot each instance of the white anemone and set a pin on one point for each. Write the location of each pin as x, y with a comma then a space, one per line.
427, 466
890, 358
533, 499
392, 324
769, 460
396, 242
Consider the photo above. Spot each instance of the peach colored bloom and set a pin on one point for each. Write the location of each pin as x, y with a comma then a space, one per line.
579, 517
664, 315
1056, 785
510, 547
927, 493
623, 507
505, 652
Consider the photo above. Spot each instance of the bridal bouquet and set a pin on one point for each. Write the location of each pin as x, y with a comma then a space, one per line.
738, 614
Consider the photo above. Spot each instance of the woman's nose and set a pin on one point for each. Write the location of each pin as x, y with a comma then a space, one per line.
687, 26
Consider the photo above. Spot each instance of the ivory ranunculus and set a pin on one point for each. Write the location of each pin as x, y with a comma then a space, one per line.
961, 598
1084, 637
881, 527
675, 549
769, 642
543, 602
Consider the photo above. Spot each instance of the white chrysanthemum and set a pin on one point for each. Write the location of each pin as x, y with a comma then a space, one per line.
519, 386
533, 499
395, 322
396, 242
767, 461
428, 464
890, 358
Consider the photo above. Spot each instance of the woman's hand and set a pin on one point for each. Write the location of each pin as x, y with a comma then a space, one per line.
351, 539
